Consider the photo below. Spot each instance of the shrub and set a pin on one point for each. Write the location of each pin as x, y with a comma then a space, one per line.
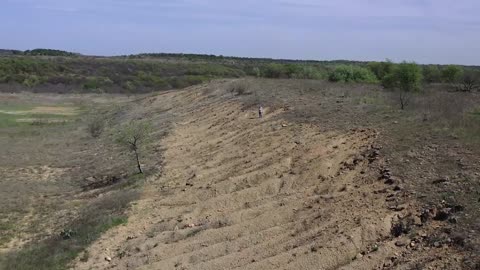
345, 73
381, 69
307, 72
239, 88
469, 81
451, 74
31, 81
129, 85
186, 81
93, 83
274, 71
431, 74
95, 127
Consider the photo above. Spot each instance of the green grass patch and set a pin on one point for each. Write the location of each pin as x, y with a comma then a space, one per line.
12, 116
6, 232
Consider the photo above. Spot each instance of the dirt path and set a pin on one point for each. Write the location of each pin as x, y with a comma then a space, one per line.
238, 192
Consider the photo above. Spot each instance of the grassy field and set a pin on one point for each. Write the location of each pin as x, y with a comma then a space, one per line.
47, 215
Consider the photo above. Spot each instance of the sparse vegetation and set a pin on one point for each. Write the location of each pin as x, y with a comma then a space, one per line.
133, 137
57, 251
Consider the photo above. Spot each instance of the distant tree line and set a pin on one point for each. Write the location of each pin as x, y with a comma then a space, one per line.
38, 52
150, 72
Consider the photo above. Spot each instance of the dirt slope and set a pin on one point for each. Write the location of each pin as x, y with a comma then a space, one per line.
238, 192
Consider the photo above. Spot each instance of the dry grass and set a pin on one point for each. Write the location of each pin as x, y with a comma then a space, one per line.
451, 112
240, 87
42, 176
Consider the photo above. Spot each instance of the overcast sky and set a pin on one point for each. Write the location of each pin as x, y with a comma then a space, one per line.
426, 31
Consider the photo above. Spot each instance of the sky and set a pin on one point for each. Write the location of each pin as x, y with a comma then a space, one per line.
425, 31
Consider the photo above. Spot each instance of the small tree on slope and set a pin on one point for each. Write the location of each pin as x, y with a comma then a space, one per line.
133, 137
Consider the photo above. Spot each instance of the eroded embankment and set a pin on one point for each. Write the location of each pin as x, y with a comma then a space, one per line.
241, 192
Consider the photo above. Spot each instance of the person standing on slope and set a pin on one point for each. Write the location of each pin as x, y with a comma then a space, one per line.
260, 112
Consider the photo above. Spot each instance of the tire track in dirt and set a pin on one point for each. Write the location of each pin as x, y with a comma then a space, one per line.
238, 192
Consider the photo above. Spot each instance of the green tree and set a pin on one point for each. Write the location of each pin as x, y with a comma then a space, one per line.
432, 74
292, 70
406, 78
133, 137
381, 69
451, 73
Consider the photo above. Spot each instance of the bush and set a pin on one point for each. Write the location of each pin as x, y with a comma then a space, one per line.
380, 69
274, 71
93, 83
186, 81
469, 81
239, 88
95, 127
345, 73
308, 72
31, 81
129, 85
431, 74
451, 74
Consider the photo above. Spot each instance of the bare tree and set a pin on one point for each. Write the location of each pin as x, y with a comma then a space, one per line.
133, 137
